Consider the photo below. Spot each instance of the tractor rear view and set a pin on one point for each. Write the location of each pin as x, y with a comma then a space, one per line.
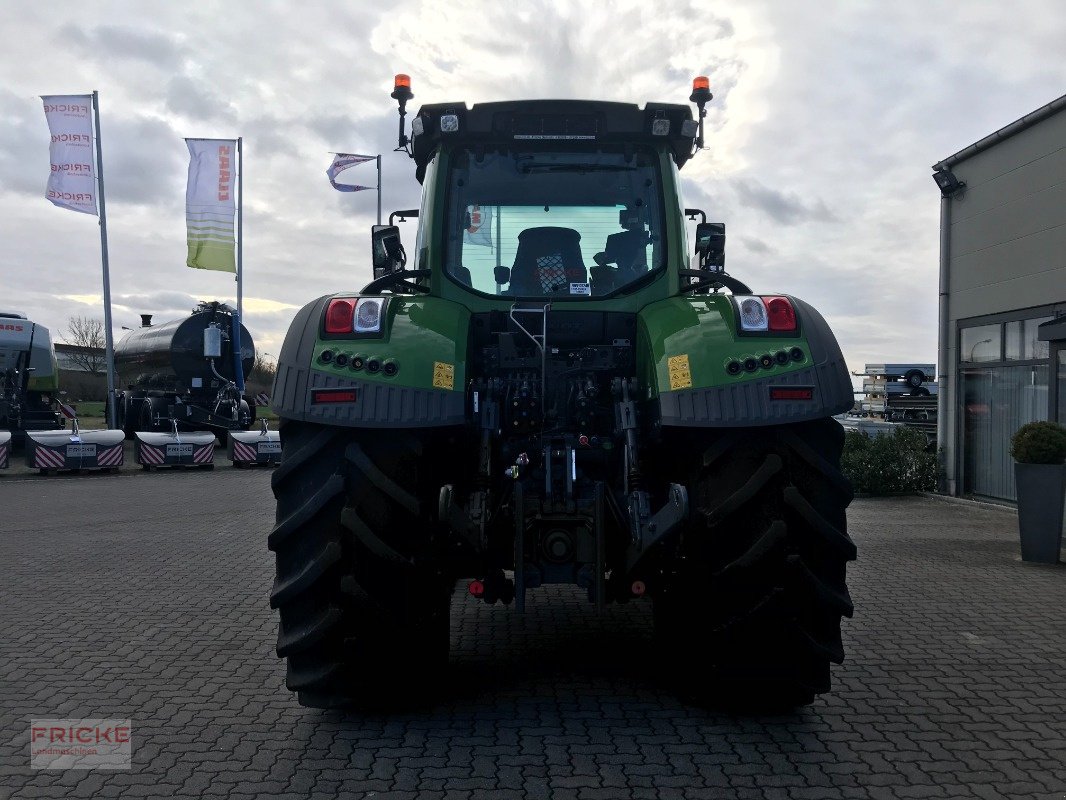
544, 390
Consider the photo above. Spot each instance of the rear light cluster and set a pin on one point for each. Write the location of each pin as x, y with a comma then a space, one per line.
758, 314
355, 315
765, 361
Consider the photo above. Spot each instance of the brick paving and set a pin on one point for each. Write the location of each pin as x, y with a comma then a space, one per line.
145, 596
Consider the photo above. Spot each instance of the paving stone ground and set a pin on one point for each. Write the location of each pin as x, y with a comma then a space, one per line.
145, 596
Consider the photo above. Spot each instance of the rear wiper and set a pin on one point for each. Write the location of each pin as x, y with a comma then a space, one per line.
574, 168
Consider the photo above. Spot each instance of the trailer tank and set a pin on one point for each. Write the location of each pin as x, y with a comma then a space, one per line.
170, 356
184, 371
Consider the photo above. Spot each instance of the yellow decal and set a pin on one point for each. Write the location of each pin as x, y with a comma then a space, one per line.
443, 375
680, 377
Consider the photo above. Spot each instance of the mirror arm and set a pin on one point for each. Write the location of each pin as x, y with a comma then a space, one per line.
411, 212
400, 278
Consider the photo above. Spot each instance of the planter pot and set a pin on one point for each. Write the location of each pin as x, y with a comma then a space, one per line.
1041, 489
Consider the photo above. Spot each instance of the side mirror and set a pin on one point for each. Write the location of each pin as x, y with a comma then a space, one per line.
502, 275
710, 245
386, 250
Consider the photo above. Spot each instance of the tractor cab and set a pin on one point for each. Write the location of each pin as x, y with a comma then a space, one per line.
546, 200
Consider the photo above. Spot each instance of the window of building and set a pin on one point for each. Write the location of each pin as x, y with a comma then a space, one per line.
1022, 342
1062, 387
996, 402
1009, 388
981, 343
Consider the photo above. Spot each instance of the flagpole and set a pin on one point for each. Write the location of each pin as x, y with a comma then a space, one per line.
379, 188
108, 337
240, 227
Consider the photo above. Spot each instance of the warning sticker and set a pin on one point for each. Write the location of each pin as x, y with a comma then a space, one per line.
581, 288
443, 375
680, 377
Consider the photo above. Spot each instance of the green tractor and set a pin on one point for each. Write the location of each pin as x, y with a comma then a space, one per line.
547, 390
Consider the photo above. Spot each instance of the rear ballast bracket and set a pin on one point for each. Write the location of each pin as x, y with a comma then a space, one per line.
648, 531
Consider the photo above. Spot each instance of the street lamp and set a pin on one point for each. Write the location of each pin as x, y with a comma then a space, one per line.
983, 341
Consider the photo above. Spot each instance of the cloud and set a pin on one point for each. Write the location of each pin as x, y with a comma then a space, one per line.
125, 42
144, 161
787, 208
196, 100
756, 245
23, 145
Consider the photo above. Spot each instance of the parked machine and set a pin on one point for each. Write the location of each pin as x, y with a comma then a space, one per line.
186, 371
29, 377
552, 394
906, 393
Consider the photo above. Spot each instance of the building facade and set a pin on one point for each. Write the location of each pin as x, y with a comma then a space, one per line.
1002, 349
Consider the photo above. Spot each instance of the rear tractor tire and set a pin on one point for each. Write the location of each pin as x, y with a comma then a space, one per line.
364, 611
749, 615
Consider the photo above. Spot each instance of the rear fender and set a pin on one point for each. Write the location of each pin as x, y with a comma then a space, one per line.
688, 343
424, 337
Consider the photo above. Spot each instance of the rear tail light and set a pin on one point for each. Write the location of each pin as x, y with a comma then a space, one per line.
758, 314
368, 314
333, 396
339, 316
355, 315
791, 392
752, 313
780, 313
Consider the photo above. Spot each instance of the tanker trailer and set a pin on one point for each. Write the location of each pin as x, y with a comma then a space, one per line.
184, 371
29, 377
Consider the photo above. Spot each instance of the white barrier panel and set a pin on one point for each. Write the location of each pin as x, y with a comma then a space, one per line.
5, 449
192, 449
254, 447
58, 451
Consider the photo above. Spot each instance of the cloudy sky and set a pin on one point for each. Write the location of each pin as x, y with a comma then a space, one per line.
826, 119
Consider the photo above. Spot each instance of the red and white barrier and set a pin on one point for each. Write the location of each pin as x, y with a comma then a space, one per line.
61, 451
179, 449
254, 447
5, 449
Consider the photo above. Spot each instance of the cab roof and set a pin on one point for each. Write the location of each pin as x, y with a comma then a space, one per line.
545, 121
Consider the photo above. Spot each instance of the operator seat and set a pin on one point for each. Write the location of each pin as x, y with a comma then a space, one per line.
629, 250
547, 262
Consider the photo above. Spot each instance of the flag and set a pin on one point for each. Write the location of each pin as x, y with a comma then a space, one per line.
72, 182
209, 204
341, 162
479, 231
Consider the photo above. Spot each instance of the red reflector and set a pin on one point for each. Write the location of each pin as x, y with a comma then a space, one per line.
333, 396
791, 392
339, 316
780, 314
476, 588
638, 588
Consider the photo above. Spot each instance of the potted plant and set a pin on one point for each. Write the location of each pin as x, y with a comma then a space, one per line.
1039, 451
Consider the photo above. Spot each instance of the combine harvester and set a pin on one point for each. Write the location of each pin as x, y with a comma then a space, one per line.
29, 377
29, 383
185, 386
